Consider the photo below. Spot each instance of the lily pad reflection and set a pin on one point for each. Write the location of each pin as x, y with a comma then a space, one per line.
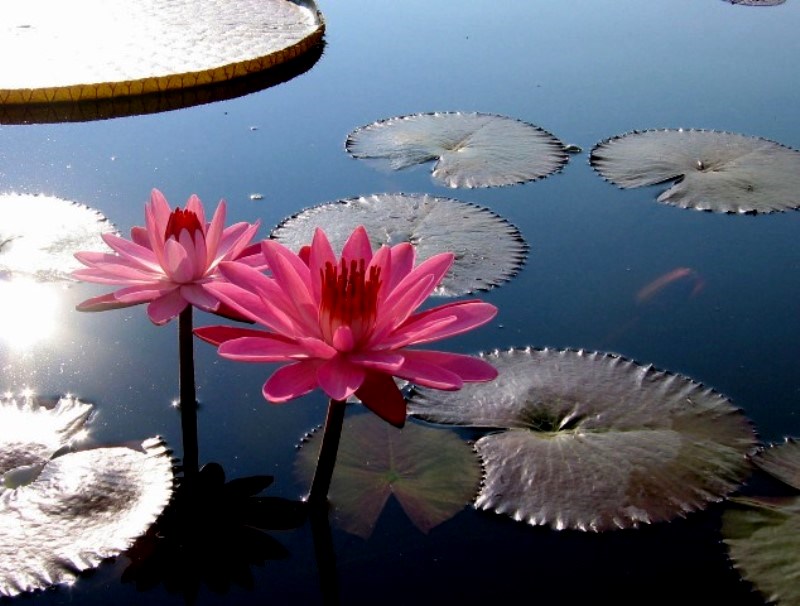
470, 149
432, 473
83, 507
40, 234
594, 441
715, 171
432, 224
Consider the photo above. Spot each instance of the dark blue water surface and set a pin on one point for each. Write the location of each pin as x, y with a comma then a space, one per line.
584, 70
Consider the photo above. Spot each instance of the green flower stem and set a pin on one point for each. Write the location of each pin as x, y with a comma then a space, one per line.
327, 453
188, 397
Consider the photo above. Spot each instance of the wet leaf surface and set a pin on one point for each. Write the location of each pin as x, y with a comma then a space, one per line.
594, 441
432, 224
470, 149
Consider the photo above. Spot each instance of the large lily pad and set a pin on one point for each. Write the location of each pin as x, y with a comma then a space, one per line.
781, 461
470, 149
431, 224
594, 441
40, 234
62, 55
763, 539
756, 2
33, 429
712, 170
82, 508
432, 473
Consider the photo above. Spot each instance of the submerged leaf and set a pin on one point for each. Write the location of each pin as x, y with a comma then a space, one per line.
40, 234
32, 429
763, 539
433, 225
432, 473
470, 149
781, 461
82, 508
716, 171
594, 441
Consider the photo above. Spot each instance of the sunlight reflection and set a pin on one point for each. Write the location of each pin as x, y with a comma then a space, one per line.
28, 312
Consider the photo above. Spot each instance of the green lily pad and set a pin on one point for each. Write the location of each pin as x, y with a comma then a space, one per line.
593, 441
781, 461
432, 224
82, 508
763, 539
431, 472
711, 170
470, 149
39, 235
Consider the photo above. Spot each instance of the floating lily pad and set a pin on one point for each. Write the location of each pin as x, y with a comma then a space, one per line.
40, 234
763, 539
594, 441
433, 225
470, 149
756, 2
60, 55
715, 171
432, 473
781, 461
33, 429
82, 508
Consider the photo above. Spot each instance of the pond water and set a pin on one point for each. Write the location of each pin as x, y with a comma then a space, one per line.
585, 71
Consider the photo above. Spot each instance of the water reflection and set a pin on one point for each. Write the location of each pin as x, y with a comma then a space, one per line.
29, 312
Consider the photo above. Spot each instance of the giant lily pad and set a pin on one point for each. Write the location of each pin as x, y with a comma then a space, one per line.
470, 149
594, 441
431, 224
432, 473
781, 461
716, 171
62, 55
82, 508
40, 234
32, 429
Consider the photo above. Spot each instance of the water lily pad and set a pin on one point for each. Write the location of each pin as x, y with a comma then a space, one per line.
756, 2
431, 224
432, 473
470, 149
781, 461
33, 429
594, 441
40, 234
82, 508
60, 55
715, 171
763, 539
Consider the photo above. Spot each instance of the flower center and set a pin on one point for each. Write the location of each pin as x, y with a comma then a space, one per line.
181, 219
349, 302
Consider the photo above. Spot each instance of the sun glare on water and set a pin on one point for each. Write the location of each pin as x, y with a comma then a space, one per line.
28, 312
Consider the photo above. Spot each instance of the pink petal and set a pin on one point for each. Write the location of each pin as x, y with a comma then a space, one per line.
319, 255
389, 316
382, 361
199, 296
440, 322
141, 293
428, 373
219, 334
165, 308
343, 339
471, 369
339, 378
134, 253
291, 381
381, 395
102, 303
233, 241
292, 277
195, 266
215, 229
251, 305
266, 347
403, 257
156, 217
382, 260
140, 236
115, 274
193, 204
431, 270
357, 246
177, 264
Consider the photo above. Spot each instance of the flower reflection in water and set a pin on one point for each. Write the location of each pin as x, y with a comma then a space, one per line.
29, 311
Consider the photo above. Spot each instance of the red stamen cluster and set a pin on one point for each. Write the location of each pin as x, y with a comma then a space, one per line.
349, 298
181, 219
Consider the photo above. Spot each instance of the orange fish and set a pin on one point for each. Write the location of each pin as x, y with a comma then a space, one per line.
679, 273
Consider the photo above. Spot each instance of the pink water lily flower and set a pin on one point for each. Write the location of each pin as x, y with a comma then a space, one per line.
345, 325
170, 262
